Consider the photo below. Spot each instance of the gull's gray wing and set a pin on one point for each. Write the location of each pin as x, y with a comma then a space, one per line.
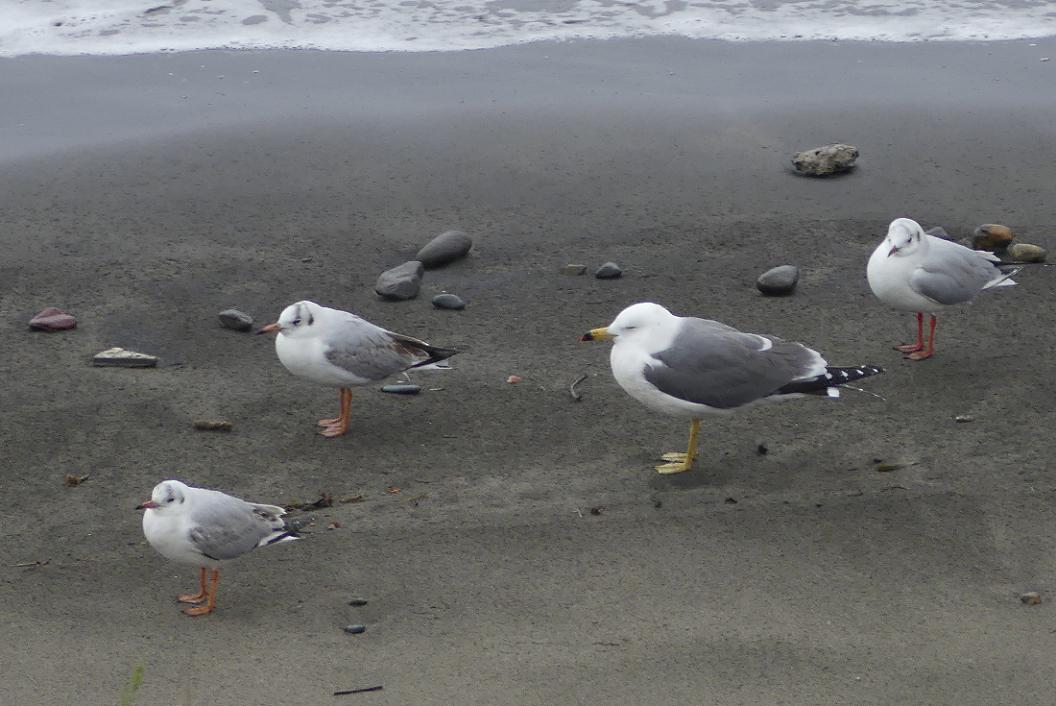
953, 275
712, 364
372, 353
224, 527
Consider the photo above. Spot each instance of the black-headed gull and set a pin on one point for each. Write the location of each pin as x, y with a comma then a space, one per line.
689, 367
339, 349
205, 527
913, 271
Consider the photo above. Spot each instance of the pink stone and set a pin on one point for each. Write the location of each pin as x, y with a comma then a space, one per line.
52, 319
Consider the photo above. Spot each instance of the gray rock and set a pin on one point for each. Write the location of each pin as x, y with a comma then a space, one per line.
402, 389
444, 248
448, 301
355, 629
120, 358
357, 602
823, 161
1025, 252
52, 319
235, 319
401, 282
610, 270
778, 281
939, 232
573, 269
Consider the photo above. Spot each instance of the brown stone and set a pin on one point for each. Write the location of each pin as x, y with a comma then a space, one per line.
52, 319
1030, 598
992, 237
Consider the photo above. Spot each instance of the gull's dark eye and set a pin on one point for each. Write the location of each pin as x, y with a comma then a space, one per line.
296, 322
170, 500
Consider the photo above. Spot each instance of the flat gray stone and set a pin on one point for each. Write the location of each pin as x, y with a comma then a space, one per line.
778, 281
401, 282
939, 232
235, 319
823, 161
449, 301
610, 270
120, 358
52, 319
355, 629
444, 248
402, 389
573, 270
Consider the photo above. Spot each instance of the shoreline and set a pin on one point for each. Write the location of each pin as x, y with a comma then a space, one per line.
488, 578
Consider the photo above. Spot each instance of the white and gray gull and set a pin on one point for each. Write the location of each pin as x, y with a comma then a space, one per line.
339, 349
690, 367
913, 271
206, 527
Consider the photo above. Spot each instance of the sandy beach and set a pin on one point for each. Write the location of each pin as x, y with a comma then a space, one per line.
146, 193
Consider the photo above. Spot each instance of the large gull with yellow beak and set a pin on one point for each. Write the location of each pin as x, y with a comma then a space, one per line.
689, 367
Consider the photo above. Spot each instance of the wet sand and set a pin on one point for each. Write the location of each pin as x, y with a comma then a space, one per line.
145, 194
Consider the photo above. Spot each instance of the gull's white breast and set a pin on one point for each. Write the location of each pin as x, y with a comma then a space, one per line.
305, 357
889, 279
169, 533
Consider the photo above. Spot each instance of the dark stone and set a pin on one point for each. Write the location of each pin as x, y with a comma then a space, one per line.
448, 301
823, 161
573, 269
444, 248
610, 270
358, 602
235, 319
939, 232
401, 282
778, 281
402, 389
51, 320
355, 629
1030, 598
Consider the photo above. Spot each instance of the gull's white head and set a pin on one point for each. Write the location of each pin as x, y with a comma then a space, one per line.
166, 495
636, 322
296, 320
904, 237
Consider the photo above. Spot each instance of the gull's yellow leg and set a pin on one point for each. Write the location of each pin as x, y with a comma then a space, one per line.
682, 462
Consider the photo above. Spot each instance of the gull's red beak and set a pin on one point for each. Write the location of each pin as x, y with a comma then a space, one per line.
147, 505
893, 250
270, 328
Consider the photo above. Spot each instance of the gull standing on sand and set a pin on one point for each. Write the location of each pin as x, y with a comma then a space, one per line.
913, 271
205, 527
689, 367
339, 349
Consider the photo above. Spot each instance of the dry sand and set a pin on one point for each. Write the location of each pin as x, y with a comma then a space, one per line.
145, 194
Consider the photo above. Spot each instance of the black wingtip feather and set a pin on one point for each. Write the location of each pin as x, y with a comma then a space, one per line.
833, 377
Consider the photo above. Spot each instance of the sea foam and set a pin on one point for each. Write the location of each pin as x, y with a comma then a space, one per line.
140, 26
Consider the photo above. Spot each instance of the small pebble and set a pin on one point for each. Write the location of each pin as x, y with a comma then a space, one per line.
400, 282
596, 510
235, 319
402, 389
449, 301
212, 424
513, 379
51, 320
355, 629
1044, 58
1030, 598
358, 602
779, 281
573, 269
731, 501
992, 236
964, 418
1025, 252
827, 160
610, 270
444, 248
120, 358
762, 449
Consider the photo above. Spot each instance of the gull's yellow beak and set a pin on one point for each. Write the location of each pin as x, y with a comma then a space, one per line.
597, 334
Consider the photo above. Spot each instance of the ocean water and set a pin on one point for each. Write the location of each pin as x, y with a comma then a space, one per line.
138, 26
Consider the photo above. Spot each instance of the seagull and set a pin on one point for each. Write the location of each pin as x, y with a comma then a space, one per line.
205, 527
689, 367
914, 271
339, 349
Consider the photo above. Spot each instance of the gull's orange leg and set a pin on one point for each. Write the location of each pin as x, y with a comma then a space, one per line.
340, 425
335, 420
195, 597
919, 345
924, 354
210, 602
